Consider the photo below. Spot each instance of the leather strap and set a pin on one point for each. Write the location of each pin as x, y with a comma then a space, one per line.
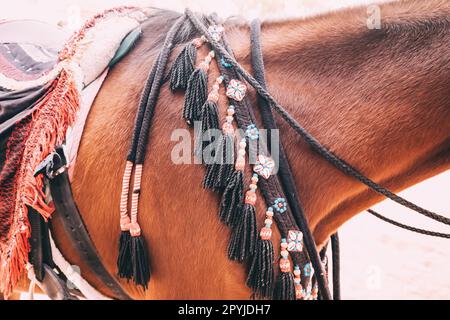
285, 173
61, 192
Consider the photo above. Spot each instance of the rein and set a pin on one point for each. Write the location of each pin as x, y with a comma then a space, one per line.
316, 145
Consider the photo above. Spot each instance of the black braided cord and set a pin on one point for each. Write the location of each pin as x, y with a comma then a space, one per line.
284, 172
410, 228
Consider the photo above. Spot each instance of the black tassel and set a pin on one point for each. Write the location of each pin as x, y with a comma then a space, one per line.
218, 173
227, 162
261, 275
244, 236
124, 263
285, 287
210, 121
196, 95
183, 67
232, 199
139, 258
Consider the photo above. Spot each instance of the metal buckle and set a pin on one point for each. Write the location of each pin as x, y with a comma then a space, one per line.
53, 165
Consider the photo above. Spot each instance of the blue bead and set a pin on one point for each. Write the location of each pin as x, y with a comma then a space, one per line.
224, 63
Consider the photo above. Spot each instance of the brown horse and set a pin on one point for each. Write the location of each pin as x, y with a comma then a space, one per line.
378, 98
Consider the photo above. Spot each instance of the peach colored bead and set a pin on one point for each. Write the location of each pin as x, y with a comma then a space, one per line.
227, 128
229, 118
213, 97
212, 54
215, 87
204, 66
266, 233
298, 291
285, 265
240, 164
297, 272
284, 245
268, 221
255, 179
242, 144
135, 230
125, 223
269, 213
241, 152
197, 42
253, 186
284, 254
230, 112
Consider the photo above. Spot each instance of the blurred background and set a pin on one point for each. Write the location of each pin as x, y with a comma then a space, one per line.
379, 261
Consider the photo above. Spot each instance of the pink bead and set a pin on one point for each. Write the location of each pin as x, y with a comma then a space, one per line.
242, 144
284, 245
298, 291
213, 96
135, 230
125, 223
269, 213
240, 164
227, 128
204, 66
284, 254
268, 221
230, 112
266, 233
198, 42
215, 87
285, 265
250, 197
229, 118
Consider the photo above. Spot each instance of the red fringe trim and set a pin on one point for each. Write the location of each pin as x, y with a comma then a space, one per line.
55, 113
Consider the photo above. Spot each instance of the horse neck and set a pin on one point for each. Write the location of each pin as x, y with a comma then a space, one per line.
378, 98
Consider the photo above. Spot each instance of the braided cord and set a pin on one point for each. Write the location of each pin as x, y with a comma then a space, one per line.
285, 173
410, 228
313, 142
142, 140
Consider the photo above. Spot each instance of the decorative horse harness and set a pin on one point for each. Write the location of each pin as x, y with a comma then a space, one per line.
307, 277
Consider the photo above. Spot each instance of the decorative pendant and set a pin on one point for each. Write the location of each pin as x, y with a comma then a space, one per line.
266, 232
264, 166
236, 90
285, 264
299, 292
280, 205
295, 238
216, 32
307, 269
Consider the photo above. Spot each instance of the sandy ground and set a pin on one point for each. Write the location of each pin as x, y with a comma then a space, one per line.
379, 261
